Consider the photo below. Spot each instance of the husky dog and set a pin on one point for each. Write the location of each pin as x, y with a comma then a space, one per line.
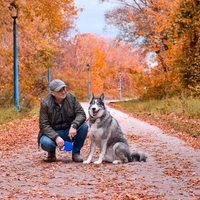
106, 133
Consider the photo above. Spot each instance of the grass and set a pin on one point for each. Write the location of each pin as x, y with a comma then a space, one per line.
10, 113
181, 114
188, 108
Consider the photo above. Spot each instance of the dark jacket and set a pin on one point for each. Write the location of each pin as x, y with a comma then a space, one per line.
74, 114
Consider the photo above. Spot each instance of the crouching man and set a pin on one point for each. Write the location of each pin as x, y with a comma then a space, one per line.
62, 118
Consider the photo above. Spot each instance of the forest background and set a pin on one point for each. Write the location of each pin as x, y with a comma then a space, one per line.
156, 53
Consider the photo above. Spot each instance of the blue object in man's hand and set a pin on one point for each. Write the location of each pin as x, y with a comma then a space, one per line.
68, 146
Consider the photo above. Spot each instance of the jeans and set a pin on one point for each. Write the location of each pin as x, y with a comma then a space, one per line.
49, 145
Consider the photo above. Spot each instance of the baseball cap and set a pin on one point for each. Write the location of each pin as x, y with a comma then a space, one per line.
56, 85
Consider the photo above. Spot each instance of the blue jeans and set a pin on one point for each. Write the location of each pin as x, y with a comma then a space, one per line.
49, 145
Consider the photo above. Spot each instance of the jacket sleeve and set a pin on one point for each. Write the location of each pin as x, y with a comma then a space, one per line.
80, 115
45, 122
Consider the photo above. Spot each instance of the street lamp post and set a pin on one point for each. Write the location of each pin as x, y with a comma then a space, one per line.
88, 68
120, 85
14, 14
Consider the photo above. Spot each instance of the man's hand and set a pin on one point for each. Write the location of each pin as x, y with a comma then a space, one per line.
59, 142
72, 133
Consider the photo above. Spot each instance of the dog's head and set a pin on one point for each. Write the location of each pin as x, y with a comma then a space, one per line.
97, 106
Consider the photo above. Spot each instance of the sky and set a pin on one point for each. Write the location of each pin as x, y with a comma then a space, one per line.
91, 20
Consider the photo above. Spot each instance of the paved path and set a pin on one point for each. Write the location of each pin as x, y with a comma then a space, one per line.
172, 170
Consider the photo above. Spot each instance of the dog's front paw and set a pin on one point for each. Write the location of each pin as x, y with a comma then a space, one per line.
86, 162
97, 162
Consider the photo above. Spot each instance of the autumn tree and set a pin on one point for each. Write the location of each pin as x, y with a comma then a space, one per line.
185, 35
142, 22
146, 23
40, 26
43, 42
106, 57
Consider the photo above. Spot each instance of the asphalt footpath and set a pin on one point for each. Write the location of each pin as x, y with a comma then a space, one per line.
172, 167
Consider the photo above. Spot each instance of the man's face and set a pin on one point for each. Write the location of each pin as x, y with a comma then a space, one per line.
60, 95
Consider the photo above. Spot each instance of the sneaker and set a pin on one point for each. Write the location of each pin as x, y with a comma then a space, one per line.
51, 157
77, 158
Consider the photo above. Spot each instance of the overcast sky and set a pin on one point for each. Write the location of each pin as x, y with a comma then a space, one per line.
91, 20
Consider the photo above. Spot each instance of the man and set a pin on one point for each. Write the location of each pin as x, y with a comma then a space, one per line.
62, 118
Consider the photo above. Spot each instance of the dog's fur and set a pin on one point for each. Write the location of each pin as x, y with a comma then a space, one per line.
106, 133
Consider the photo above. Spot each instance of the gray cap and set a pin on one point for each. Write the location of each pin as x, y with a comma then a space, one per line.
56, 85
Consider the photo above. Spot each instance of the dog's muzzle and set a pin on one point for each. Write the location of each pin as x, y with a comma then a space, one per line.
94, 111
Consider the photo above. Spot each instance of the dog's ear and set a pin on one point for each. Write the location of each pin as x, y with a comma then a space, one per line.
102, 97
92, 97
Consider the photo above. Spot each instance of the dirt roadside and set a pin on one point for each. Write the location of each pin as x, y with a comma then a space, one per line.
172, 170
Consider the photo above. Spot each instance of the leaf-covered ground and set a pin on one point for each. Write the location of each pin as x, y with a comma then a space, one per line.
172, 170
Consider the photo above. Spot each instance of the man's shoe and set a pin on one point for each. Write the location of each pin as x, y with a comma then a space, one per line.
51, 157
77, 158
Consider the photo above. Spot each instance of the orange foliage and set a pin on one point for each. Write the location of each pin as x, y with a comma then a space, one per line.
106, 57
150, 24
39, 26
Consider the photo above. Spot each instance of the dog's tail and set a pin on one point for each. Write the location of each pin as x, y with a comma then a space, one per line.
138, 156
